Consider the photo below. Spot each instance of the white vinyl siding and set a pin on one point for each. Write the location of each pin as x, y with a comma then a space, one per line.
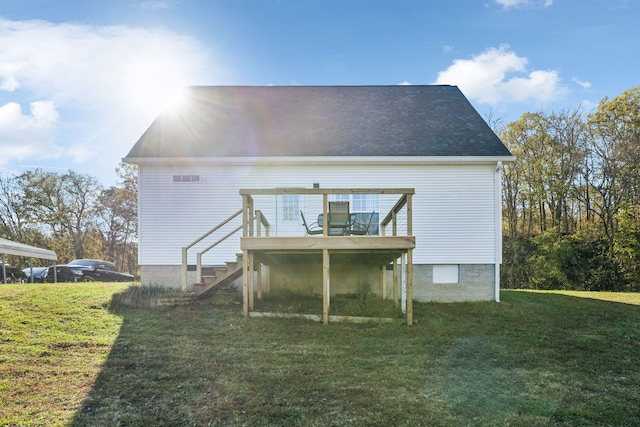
453, 206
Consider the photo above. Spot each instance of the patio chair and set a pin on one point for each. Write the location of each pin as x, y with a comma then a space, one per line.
314, 228
360, 228
339, 218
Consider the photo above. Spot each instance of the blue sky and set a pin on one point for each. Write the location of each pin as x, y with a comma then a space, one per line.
81, 80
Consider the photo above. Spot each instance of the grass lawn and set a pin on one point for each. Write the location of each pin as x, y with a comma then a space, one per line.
535, 359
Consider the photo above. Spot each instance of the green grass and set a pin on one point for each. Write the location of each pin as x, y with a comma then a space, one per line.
68, 357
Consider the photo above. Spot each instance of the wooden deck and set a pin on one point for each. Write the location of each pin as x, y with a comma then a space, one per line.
377, 251
374, 250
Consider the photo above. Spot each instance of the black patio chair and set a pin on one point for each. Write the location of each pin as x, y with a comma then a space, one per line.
339, 218
312, 229
359, 228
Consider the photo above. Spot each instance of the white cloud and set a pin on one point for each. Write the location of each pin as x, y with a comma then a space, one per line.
588, 106
22, 136
92, 66
524, 3
585, 85
499, 75
119, 77
156, 4
447, 48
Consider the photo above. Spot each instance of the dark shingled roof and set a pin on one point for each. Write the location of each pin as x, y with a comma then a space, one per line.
275, 121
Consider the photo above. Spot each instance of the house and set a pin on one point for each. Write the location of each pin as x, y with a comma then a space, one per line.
291, 147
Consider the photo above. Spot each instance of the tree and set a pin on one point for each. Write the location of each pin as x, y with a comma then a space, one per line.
12, 209
65, 204
119, 218
540, 187
614, 159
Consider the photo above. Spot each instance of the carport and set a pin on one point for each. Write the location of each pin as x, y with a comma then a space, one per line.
13, 248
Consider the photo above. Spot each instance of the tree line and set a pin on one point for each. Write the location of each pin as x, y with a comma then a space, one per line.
73, 215
571, 200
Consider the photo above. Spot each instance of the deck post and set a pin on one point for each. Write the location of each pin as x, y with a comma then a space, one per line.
199, 267
251, 280
184, 269
250, 216
245, 259
395, 282
259, 280
383, 269
325, 285
259, 267
409, 215
409, 262
383, 279
409, 287
394, 232
325, 213
245, 283
267, 271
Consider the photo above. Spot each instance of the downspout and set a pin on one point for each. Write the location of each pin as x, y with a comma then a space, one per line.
498, 231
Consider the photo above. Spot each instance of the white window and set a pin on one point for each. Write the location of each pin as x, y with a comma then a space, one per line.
365, 203
445, 273
290, 207
186, 178
338, 197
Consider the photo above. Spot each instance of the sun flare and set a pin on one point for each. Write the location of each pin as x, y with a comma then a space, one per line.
153, 86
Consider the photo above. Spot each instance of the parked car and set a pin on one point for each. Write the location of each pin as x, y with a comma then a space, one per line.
39, 274
88, 270
10, 274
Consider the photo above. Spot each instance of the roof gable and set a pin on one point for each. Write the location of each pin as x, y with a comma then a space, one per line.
300, 121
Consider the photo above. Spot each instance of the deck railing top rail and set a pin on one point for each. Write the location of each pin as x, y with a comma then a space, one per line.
301, 190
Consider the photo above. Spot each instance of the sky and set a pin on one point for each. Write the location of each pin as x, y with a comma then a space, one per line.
81, 80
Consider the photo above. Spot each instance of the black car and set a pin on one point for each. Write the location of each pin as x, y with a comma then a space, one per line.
88, 270
39, 274
10, 274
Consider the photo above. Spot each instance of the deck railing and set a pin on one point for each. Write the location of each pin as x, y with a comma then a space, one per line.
391, 218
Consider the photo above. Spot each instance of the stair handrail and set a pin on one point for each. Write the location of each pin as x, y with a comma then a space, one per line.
258, 217
211, 246
199, 239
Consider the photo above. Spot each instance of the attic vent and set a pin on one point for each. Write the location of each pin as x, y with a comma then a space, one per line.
186, 178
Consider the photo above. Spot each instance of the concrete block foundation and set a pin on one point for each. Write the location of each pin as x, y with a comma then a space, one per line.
475, 281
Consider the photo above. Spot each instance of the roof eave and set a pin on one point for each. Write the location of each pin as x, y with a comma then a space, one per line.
322, 160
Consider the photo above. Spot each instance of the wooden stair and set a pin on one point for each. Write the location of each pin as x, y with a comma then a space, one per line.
183, 299
221, 277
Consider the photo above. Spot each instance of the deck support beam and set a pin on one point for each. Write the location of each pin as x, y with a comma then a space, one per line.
410, 287
251, 280
259, 280
395, 282
383, 280
245, 283
245, 255
326, 290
